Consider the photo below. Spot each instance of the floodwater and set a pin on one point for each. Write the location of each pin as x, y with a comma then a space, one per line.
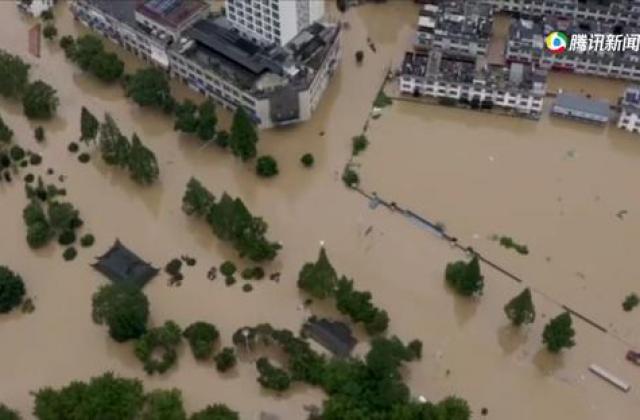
435, 160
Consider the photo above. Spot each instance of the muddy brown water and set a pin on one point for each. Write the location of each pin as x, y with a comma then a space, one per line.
432, 159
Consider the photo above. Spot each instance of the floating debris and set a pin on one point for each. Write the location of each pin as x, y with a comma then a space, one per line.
620, 215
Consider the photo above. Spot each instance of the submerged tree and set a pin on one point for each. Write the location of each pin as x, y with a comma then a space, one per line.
142, 163
114, 146
318, 279
50, 31
11, 289
163, 404
6, 134
197, 199
89, 125
186, 117
207, 120
272, 377
559, 333
465, 278
166, 339
215, 412
266, 166
14, 75
202, 337
520, 309
124, 309
40, 101
7, 413
243, 137
150, 87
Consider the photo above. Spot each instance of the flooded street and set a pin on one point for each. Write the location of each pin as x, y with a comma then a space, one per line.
553, 185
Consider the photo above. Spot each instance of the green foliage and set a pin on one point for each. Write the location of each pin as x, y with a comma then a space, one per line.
87, 47
173, 267
357, 305
222, 139
465, 278
104, 397
229, 280
68, 44
215, 412
17, 153
559, 333
163, 404
39, 231
46, 15
207, 120
12, 289
631, 301
62, 215
142, 163
202, 337
350, 177
150, 87
67, 237
307, 160
87, 240
509, 243
359, 144
520, 309
166, 338
382, 100
39, 134
266, 166
69, 254
247, 287
186, 118
50, 31
124, 309
197, 199
318, 279
107, 67
14, 75
243, 137
225, 360
6, 134
40, 101
272, 377
88, 52
8, 414
453, 408
89, 125
228, 268
114, 146
415, 346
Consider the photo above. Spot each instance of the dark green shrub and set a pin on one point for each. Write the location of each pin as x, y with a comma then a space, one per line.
69, 254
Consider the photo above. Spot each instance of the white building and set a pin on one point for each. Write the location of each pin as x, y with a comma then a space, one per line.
519, 88
35, 7
630, 113
273, 21
276, 85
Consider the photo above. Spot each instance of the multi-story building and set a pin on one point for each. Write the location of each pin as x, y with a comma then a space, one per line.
626, 11
630, 110
462, 28
273, 21
519, 88
526, 44
35, 7
276, 85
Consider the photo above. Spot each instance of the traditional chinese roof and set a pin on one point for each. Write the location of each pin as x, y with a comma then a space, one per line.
122, 266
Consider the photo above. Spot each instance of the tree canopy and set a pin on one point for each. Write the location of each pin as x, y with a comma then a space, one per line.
40, 100
104, 397
266, 166
114, 146
124, 309
272, 377
143, 165
7, 413
166, 338
150, 87
215, 412
465, 278
14, 75
197, 200
202, 337
358, 306
243, 136
89, 53
6, 133
559, 333
163, 404
89, 125
12, 289
520, 309
318, 279
226, 359
200, 120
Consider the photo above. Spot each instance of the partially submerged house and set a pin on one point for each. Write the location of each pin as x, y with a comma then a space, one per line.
122, 266
579, 107
334, 336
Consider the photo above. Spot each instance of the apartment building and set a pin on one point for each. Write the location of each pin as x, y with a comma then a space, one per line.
273, 21
276, 85
462, 28
629, 118
518, 88
35, 7
526, 44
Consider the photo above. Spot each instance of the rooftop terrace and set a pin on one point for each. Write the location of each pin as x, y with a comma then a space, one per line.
170, 13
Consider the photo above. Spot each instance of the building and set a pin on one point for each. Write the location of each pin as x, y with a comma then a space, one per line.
519, 88
273, 21
625, 11
460, 28
526, 44
334, 336
630, 110
122, 266
277, 85
578, 107
35, 7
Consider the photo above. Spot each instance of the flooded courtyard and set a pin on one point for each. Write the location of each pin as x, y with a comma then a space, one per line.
556, 186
